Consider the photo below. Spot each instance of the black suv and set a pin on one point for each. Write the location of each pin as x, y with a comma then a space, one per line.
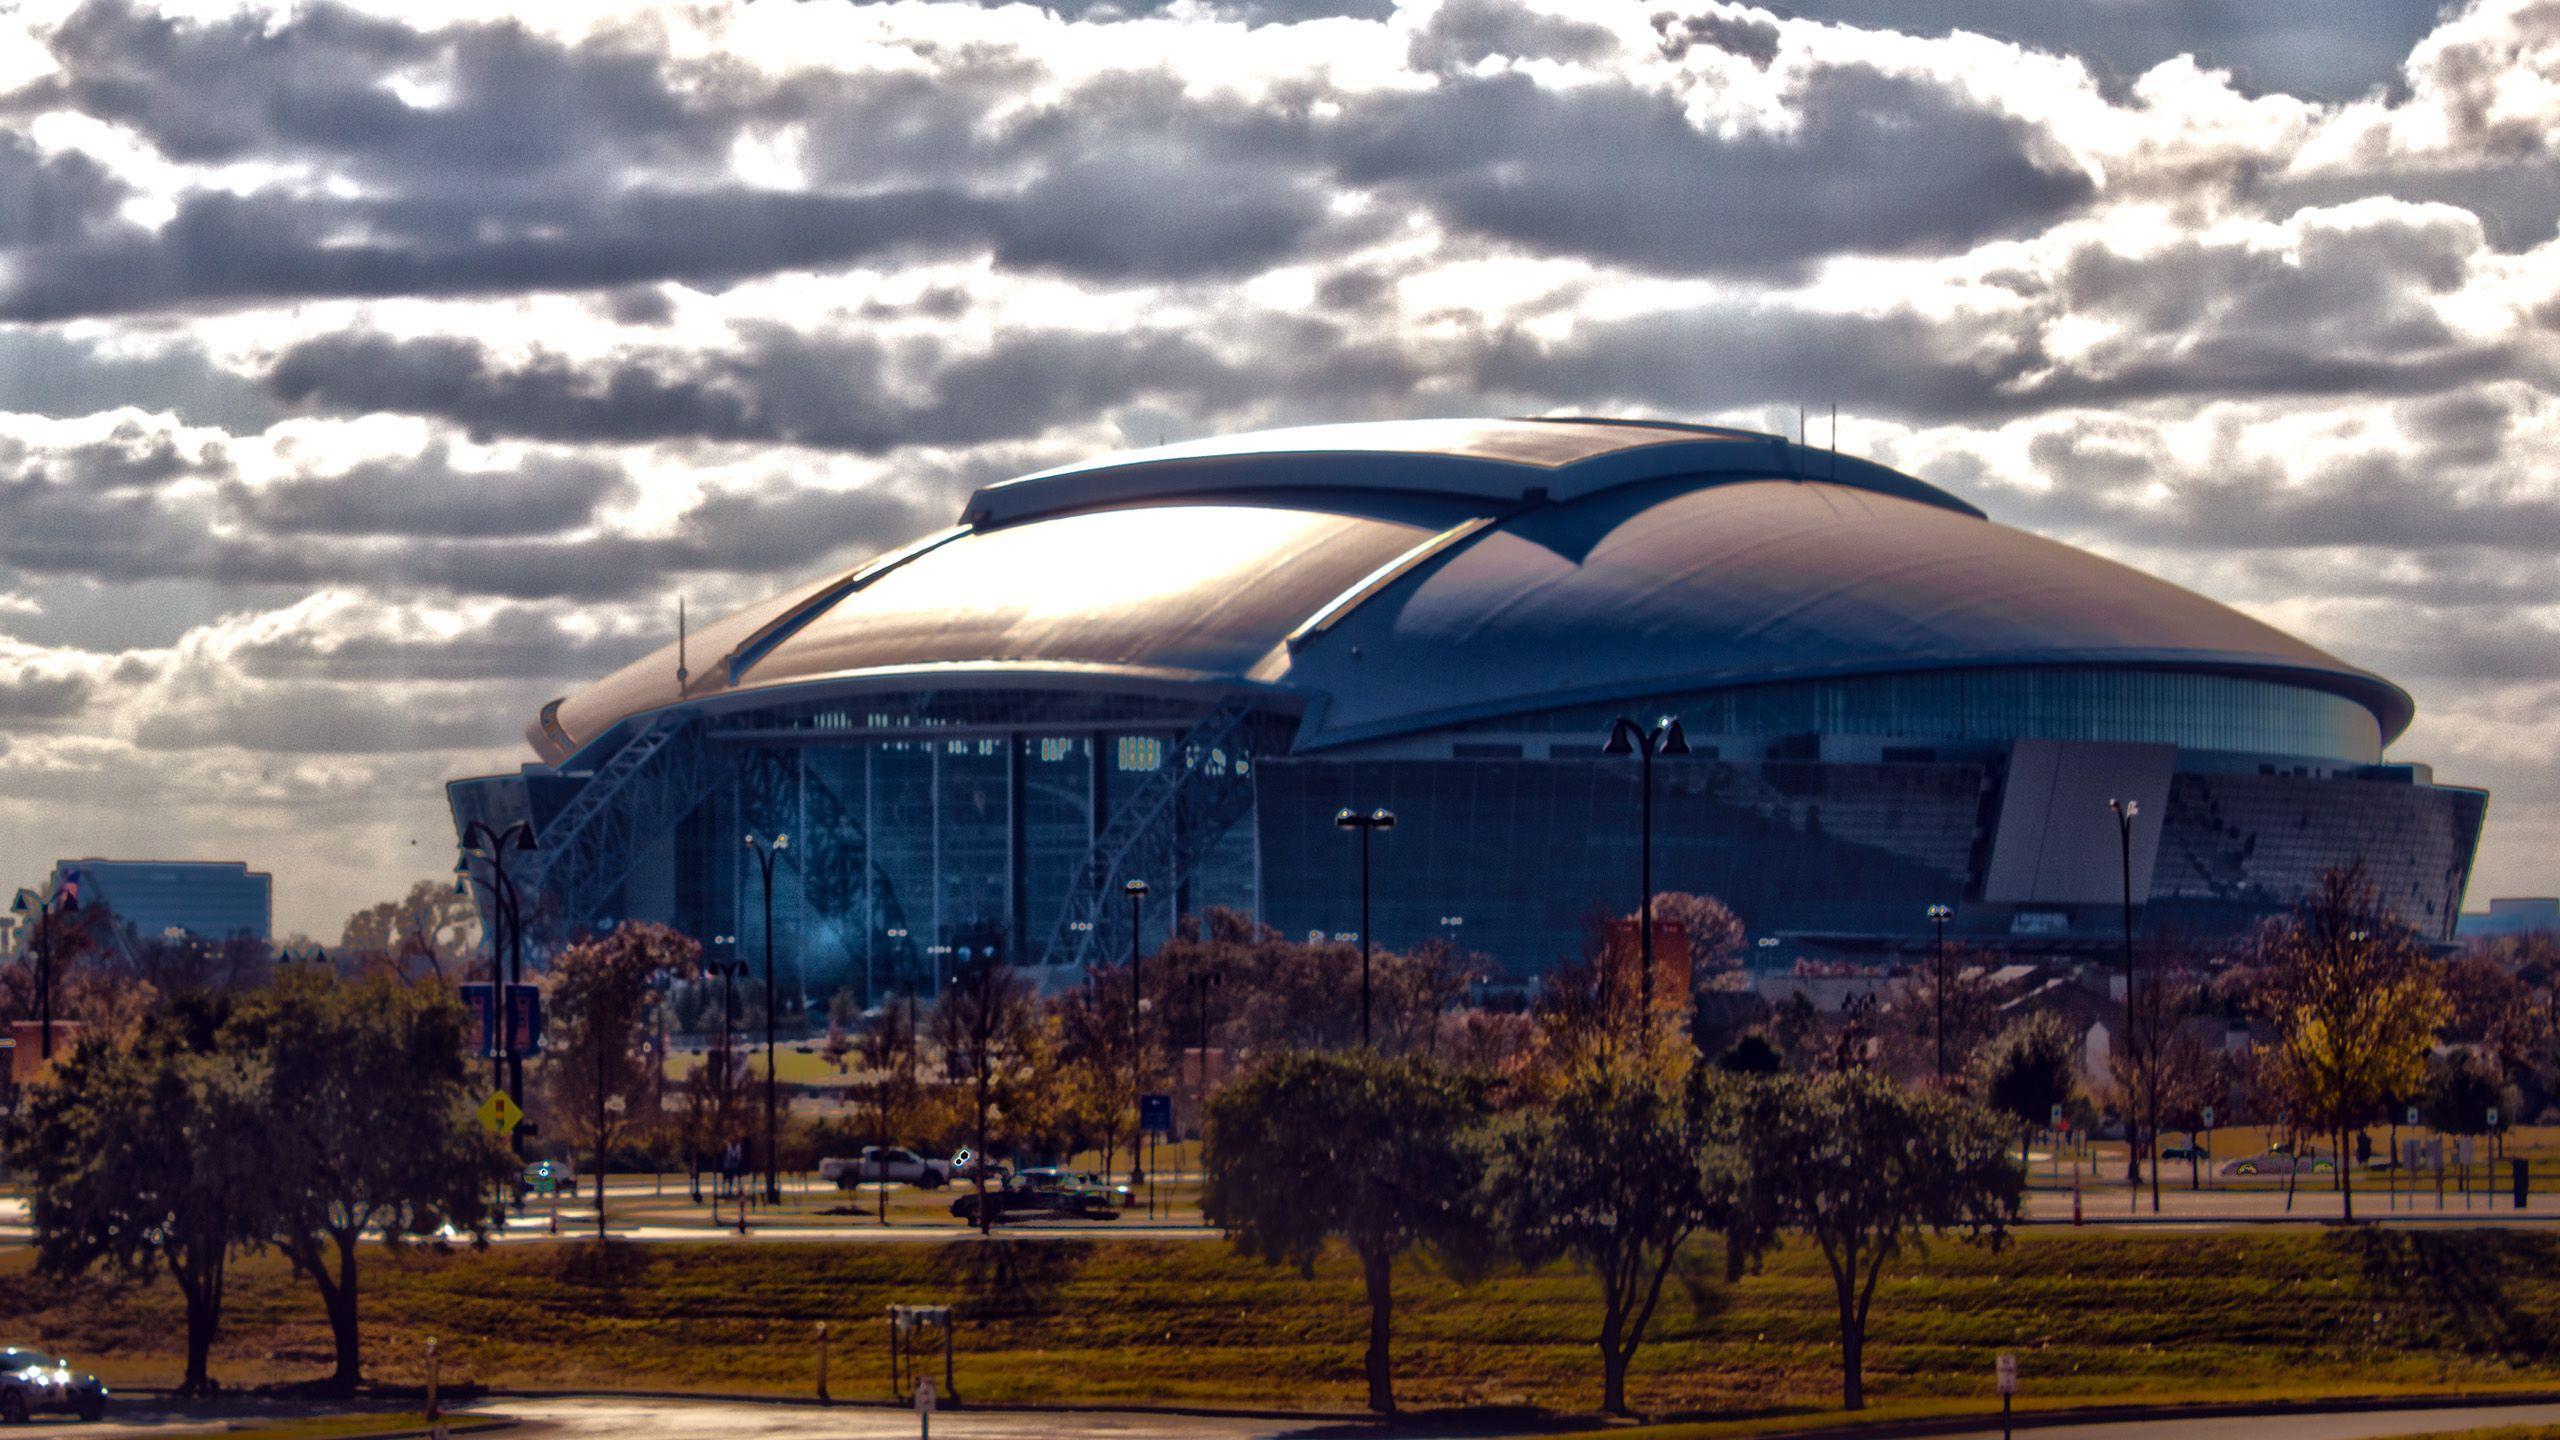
1040, 1195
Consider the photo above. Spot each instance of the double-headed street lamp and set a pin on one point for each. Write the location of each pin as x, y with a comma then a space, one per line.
1136, 890
2125, 810
44, 905
1368, 825
729, 971
765, 855
1626, 737
489, 847
1938, 916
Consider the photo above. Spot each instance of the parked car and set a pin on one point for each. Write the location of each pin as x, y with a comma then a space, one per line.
886, 1164
2185, 1153
2280, 1162
1039, 1195
32, 1381
1088, 1180
562, 1174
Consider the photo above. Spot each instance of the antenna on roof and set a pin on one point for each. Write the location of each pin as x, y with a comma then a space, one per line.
681, 674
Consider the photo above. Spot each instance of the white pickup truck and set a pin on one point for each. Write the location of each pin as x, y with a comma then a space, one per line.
886, 1163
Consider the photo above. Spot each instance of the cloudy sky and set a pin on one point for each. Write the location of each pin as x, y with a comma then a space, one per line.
369, 376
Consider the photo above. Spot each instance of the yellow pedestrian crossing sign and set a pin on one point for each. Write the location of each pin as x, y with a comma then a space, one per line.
500, 1114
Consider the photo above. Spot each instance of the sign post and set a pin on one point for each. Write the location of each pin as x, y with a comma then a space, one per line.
1155, 1117
2208, 1143
924, 1406
2007, 1369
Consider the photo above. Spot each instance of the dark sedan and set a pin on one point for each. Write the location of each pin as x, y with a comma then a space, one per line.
32, 1381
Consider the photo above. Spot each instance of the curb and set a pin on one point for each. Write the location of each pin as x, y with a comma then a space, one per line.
2120, 1414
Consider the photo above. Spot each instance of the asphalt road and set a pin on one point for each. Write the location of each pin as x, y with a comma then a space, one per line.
2374, 1425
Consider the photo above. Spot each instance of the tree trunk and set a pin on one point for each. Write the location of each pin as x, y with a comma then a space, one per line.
2346, 1180
1377, 1268
1613, 1355
1853, 1349
202, 1285
340, 1301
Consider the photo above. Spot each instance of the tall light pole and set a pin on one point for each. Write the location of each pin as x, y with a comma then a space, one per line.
2125, 810
1136, 890
765, 856
1368, 825
729, 970
57, 900
489, 846
1626, 737
1938, 916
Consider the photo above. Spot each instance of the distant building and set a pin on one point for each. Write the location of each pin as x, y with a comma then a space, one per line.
210, 899
2534, 916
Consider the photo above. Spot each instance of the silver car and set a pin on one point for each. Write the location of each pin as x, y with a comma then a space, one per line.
32, 1381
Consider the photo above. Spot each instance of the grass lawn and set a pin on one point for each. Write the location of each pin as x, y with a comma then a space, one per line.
339, 1427
2131, 1316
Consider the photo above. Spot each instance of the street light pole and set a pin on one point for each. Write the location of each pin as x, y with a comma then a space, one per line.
1938, 915
1626, 737
765, 856
490, 846
2125, 810
44, 906
1368, 825
1136, 890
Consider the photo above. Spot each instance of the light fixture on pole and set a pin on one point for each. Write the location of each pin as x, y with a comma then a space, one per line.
62, 900
765, 856
1368, 825
1136, 890
2125, 810
1626, 737
1938, 916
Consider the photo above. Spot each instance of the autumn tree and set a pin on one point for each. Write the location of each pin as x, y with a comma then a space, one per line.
1315, 1146
143, 1159
433, 930
1618, 1170
1867, 1170
2355, 1002
370, 1130
604, 1087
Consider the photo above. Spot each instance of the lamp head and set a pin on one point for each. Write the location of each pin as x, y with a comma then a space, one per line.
1675, 741
1347, 818
1134, 889
1382, 819
18, 905
781, 842
1941, 912
1619, 743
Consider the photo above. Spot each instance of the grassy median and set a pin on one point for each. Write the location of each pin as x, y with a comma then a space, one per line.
2135, 1316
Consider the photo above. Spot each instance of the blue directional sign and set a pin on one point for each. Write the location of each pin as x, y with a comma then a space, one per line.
1155, 1114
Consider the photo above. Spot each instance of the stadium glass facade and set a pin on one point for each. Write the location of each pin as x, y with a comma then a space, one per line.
1959, 751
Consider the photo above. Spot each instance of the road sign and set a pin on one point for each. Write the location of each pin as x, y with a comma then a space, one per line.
924, 1397
545, 1180
500, 1114
2008, 1372
2208, 1117
2056, 1117
2413, 1115
1155, 1114
2493, 1117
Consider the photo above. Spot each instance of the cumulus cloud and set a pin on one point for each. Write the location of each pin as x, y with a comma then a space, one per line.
380, 350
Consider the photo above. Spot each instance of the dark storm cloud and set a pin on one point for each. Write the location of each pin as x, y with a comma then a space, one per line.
1880, 164
42, 373
53, 528
50, 199
1463, 32
132, 457
1748, 36
427, 496
33, 695
846, 392
518, 642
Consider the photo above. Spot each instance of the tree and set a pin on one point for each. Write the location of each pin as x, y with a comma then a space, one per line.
368, 1109
142, 1159
602, 994
987, 1027
1867, 1170
1347, 1144
1617, 1171
1947, 1007
2143, 1065
2356, 1005
433, 927
2027, 1071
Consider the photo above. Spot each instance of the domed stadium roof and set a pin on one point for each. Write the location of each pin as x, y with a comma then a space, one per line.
1393, 577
